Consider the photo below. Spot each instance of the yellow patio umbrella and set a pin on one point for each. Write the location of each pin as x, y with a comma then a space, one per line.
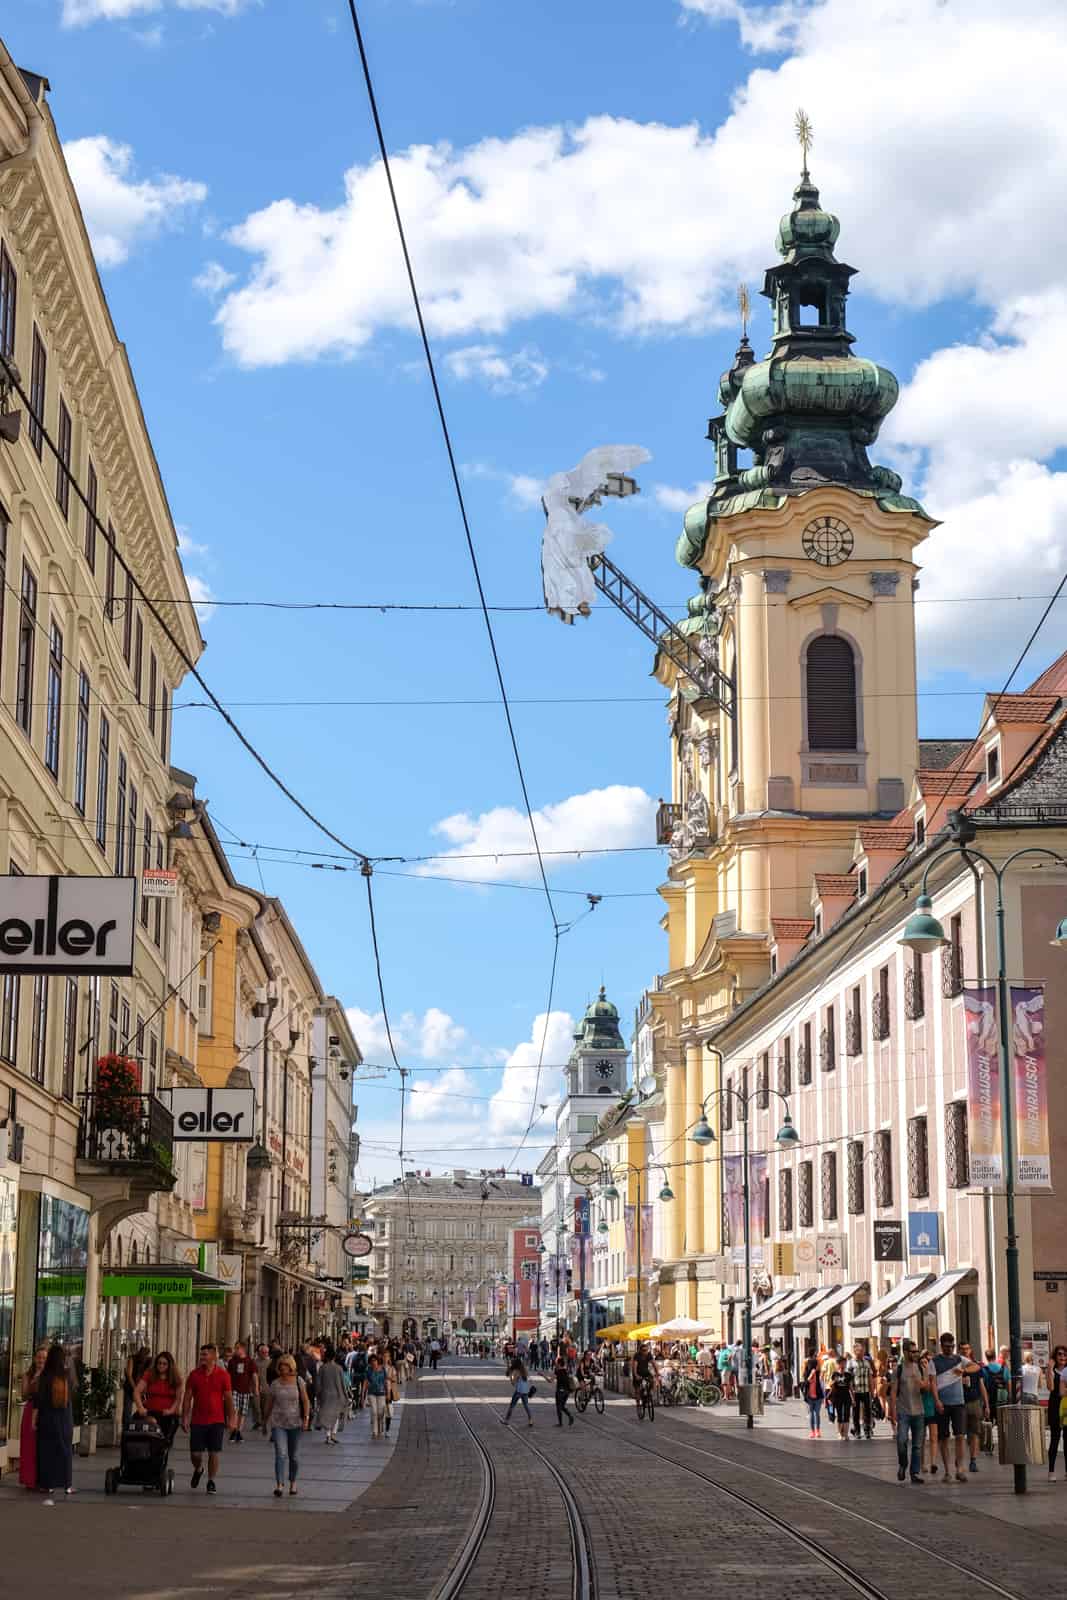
616, 1331
643, 1330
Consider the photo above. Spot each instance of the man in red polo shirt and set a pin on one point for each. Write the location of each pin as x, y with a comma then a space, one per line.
207, 1411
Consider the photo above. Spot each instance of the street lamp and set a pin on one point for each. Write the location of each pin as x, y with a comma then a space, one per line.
786, 1137
923, 932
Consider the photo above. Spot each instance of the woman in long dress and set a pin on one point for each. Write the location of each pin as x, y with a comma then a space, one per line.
27, 1433
55, 1425
331, 1396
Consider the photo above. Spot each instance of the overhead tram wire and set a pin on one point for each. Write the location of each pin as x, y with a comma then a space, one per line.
452, 463
15, 381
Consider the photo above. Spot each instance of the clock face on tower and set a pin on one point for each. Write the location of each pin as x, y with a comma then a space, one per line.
605, 1069
827, 541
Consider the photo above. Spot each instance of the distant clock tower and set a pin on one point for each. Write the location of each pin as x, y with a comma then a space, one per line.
598, 1061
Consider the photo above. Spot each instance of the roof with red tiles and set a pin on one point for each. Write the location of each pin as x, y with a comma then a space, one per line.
789, 929
835, 884
954, 781
1021, 707
889, 837
1053, 680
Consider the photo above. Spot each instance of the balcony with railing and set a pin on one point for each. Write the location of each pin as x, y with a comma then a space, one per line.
125, 1144
853, 1034
914, 998
668, 817
880, 1017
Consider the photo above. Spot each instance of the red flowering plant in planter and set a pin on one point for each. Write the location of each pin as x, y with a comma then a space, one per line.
118, 1088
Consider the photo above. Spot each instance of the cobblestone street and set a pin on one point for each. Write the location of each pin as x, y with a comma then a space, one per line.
652, 1497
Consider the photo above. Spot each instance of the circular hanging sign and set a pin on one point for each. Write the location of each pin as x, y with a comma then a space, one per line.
357, 1244
585, 1168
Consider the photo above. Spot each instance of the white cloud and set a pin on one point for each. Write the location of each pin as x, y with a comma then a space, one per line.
213, 279
511, 1105
543, 222
616, 816
199, 588
76, 13
441, 1097
761, 27
501, 372
523, 489
677, 500
119, 209
433, 1035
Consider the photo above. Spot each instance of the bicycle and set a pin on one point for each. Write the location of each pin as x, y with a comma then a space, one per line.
698, 1393
646, 1406
589, 1389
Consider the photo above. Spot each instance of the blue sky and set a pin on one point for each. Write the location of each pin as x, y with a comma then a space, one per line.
582, 195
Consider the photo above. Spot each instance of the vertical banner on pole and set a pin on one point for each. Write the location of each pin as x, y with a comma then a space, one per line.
734, 1189
983, 1087
468, 1303
1033, 1160
646, 1242
629, 1216
757, 1198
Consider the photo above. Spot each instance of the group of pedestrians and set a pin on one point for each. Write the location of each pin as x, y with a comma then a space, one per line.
561, 1359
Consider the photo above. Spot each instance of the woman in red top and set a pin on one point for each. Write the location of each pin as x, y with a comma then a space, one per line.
159, 1393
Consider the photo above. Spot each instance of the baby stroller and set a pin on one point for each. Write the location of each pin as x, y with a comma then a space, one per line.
142, 1458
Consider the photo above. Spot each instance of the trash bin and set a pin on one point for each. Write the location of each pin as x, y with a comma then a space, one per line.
1021, 1435
750, 1399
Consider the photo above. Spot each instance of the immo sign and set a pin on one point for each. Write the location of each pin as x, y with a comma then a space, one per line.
67, 925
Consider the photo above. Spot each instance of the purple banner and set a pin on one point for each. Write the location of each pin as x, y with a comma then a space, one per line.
629, 1216
983, 1087
1033, 1158
757, 1197
646, 1241
734, 1196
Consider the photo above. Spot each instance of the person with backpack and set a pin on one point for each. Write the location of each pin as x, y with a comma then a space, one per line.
357, 1372
520, 1391
814, 1394
907, 1413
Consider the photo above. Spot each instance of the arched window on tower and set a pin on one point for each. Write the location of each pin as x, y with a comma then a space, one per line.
831, 694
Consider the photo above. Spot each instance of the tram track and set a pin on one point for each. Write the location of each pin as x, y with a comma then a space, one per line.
858, 1581
465, 1569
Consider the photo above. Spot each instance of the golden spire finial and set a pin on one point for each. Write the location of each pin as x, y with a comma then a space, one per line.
805, 135
744, 305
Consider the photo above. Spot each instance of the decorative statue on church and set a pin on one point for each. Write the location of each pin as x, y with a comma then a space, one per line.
569, 540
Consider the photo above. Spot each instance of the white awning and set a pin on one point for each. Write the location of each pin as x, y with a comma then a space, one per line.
798, 1311
929, 1296
833, 1299
763, 1312
779, 1315
876, 1312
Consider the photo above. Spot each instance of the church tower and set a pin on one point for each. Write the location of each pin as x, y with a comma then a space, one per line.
597, 1066
805, 551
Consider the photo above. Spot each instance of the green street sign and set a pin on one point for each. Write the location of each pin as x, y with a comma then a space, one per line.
209, 1297
61, 1285
128, 1286
360, 1274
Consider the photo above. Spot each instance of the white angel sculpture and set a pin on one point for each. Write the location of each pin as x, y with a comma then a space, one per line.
569, 540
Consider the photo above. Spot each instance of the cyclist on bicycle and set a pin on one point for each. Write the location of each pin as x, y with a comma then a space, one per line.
643, 1372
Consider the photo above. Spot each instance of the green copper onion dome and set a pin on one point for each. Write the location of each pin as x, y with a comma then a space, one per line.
809, 410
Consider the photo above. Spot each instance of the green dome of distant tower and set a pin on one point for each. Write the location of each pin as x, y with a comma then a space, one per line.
599, 1028
808, 410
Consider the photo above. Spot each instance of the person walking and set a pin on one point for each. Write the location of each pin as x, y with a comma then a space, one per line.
55, 1425
520, 1392
435, 1354
207, 1412
906, 1412
244, 1381
840, 1394
28, 1428
136, 1366
377, 1395
861, 1370
996, 1375
287, 1412
158, 1394
563, 1390
1056, 1379
392, 1388
262, 1362
949, 1372
976, 1402
814, 1394
331, 1398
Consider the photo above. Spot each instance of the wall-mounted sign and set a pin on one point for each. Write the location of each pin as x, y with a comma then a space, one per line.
152, 1286
71, 925
159, 883
586, 1168
889, 1240
230, 1268
924, 1233
360, 1274
357, 1244
830, 1252
213, 1114
782, 1260
61, 1285
804, 1254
